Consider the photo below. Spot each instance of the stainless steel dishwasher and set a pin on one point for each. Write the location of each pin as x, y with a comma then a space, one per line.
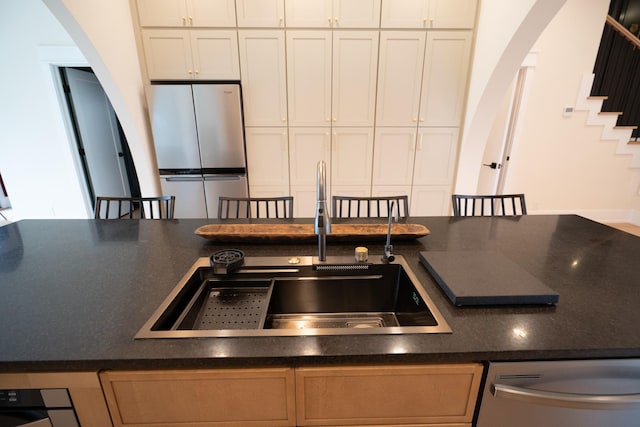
562, 393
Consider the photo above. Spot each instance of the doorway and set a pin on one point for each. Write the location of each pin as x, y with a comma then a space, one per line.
102, 148
493, 177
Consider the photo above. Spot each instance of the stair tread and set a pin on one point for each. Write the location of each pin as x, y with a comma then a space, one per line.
610, 113
598, 97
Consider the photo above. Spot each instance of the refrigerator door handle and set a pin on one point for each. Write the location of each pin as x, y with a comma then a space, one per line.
222, 178
566, 400
182, 178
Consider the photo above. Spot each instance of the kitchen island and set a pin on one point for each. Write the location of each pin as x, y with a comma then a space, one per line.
73, 294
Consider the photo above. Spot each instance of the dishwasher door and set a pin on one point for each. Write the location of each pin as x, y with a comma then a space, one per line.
562, 394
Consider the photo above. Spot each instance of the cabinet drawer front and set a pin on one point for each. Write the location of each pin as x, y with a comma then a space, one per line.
243, 397
387, 395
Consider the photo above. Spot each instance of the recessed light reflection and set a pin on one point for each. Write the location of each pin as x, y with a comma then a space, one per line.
520, 333
575, 263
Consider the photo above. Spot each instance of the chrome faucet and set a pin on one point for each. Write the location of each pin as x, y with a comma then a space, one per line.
322, 225
388, 247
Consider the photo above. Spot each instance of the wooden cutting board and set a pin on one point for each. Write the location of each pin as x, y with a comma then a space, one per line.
304, 232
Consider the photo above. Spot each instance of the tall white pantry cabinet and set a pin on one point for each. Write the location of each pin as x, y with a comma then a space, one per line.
375, 88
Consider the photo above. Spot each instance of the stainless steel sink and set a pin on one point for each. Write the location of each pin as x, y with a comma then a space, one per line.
293, 296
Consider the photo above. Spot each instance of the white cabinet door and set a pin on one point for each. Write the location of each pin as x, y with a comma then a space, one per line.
355, 63
444, 80
309, 13
163, 13
187, 13
351, 158
430, 200
167, 54
399, 78
263, 75
393, 156
356, 13
215, 54
428, 13
405, 14
191, 54
307, 147
452, 13
268, 157
212, 13
309, 77
435, 161
260, 13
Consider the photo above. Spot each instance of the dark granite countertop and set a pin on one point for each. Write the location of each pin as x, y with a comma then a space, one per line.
73, 293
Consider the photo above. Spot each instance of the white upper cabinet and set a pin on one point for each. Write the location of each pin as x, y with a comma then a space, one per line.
309, 77
263, 75
260, 13
444, 80
428, 13
452, 13
191, 54
355, 61
215, 54
333, 13
187, 13
356, 13
309, 13
399, 78
168, 54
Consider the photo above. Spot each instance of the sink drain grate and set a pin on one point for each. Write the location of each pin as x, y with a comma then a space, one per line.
233, 308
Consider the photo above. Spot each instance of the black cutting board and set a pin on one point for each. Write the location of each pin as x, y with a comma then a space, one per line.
485, 278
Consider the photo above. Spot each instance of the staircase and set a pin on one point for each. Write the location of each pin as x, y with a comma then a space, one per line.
608, 120
618, 79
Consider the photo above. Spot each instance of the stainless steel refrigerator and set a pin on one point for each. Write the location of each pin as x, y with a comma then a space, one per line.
199, 139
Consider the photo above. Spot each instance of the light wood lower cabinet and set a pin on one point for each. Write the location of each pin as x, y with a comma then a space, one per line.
415, 395
84, 390
229, 397
424, 395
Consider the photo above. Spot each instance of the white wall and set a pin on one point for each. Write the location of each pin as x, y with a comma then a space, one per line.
561, 164
37, 159
35, 155
103, 30
505, 32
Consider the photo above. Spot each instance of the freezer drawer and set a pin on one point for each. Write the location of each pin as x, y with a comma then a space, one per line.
189, 192
562, 393
223, 185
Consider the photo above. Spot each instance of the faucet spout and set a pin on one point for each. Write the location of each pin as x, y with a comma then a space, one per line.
322, 224
388, 247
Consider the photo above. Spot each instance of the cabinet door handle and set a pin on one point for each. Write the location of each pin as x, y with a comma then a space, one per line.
191, 20
184, 21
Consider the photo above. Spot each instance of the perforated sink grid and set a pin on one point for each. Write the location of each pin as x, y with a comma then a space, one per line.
233, 308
